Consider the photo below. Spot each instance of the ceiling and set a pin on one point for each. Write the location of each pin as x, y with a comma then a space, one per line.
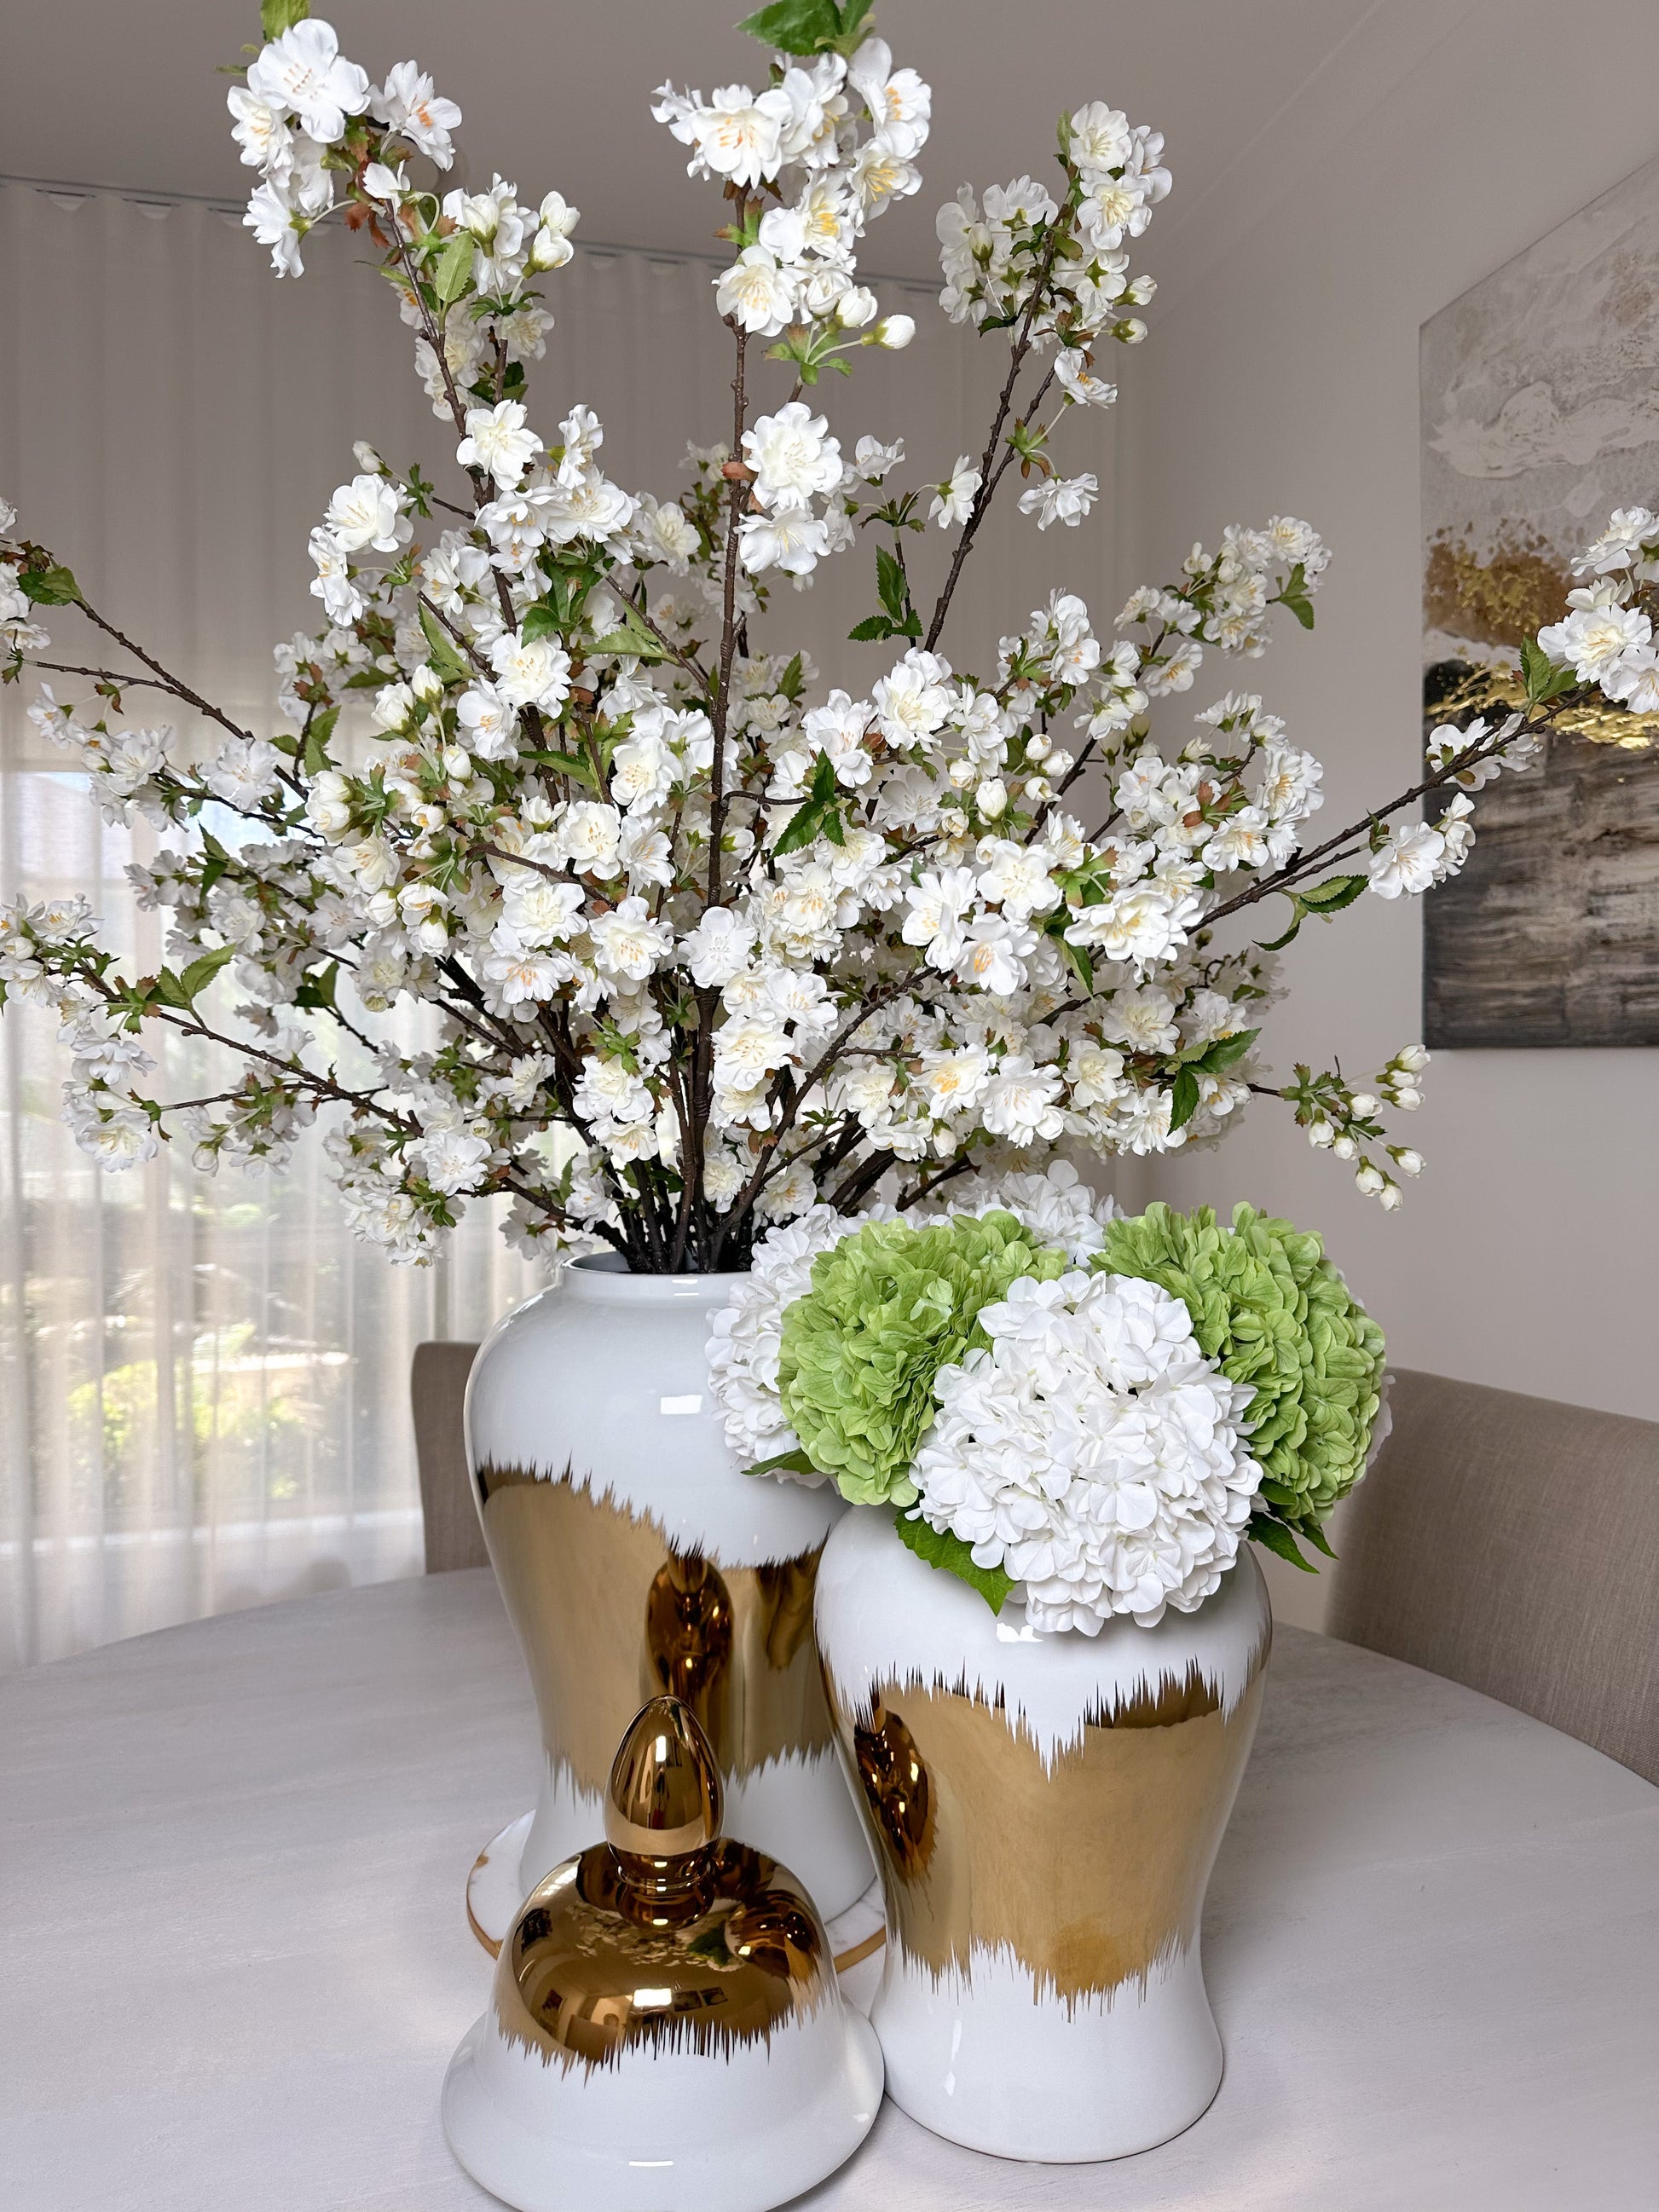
123, 92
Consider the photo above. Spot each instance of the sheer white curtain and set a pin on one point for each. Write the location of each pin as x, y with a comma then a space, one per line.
204, 1382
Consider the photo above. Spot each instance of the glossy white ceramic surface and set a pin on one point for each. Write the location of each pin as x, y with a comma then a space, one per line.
664, 2130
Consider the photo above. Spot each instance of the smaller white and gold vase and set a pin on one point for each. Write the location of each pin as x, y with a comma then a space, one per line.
665, 2027
1045, 1811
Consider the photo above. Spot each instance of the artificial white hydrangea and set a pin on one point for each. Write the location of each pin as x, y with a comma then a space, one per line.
1093, 1454
746, 1335
1057, 1206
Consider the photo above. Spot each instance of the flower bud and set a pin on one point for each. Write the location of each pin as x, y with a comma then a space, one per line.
1130, 331
894, 332
1408, 1162
1320, 1134
1345, 1147
1390, 1198
992, 798
549, 249
1364, 1105
963, 773
367, 460
1037, 746
855, 307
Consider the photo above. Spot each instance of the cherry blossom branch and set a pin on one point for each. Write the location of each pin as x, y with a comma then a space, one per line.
1304, 863
989, 479
738, 482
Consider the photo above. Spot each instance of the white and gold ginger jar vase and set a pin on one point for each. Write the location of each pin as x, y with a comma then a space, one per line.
636, 1558
1045, 1811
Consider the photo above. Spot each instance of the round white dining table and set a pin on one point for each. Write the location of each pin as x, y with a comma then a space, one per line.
236, 1959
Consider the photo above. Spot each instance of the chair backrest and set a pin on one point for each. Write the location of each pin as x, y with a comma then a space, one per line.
437, 1388
1513, 1544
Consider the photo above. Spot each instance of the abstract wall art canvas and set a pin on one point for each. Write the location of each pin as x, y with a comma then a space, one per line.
1540, 392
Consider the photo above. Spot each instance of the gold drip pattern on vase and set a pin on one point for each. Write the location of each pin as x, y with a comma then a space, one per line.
1089, 1867
609, 1614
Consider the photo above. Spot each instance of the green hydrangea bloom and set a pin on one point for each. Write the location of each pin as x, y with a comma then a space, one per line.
1270, 1309
890, 1306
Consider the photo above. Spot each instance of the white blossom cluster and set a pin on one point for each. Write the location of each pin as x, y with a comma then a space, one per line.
300, 101
1606, 638
709, 941
1093, 1454
834, 141
746, 1335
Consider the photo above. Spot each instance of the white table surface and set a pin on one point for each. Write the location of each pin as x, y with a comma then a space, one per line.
235, 1960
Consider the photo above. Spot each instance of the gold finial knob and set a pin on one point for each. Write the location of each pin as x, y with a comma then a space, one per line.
665, 1798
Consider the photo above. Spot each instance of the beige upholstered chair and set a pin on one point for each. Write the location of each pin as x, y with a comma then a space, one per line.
1513, 1544
437, 1387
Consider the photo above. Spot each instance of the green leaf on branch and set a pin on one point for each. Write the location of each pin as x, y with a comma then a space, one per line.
1184, 1099
792, 679
538, 622
570, 764
277, 16
172, 990
319, 731
872, 626
317, 990
807, 27
891, 585
1546, 678
1334, 894
49, 588
632, 638
1294, 595
819, 816
1324, 899
452, 271
1278, 1539
1224, 1052
215, 864
939, 1548
1078, 961
441, 649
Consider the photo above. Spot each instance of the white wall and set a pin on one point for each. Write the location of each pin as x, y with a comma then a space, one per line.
1282, 377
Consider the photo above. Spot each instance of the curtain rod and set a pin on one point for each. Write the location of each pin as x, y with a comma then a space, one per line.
142, 197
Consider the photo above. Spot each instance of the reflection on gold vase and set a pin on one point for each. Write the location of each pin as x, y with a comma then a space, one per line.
635, 1559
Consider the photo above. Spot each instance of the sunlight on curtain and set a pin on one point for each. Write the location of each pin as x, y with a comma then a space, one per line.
204, 1382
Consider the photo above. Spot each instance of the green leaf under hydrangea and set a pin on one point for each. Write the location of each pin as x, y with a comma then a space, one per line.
889, 1307
1272, 1311
939, 1548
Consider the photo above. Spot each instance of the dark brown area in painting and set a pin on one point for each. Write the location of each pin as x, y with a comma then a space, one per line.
1550, 936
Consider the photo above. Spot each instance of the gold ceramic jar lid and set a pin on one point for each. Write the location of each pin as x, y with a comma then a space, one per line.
667, 1935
